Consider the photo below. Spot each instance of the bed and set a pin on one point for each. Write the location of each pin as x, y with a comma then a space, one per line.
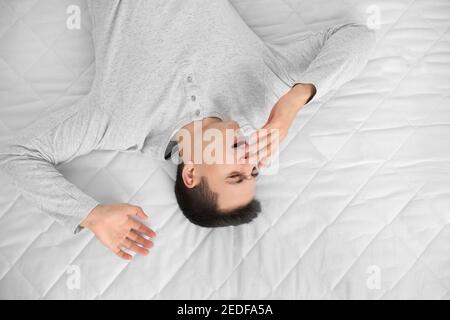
360, 208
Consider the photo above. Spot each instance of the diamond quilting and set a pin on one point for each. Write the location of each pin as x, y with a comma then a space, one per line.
363, 180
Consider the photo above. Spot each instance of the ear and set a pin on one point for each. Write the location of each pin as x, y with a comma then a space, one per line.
190, 176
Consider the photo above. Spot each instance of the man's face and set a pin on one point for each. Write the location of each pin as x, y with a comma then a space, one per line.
224, 164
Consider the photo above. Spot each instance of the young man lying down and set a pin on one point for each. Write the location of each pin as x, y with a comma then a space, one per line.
173, 78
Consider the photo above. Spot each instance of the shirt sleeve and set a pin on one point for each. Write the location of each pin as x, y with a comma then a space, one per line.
338, 54
29, 159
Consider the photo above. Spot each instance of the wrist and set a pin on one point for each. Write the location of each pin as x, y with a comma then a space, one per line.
303, 92
88, 221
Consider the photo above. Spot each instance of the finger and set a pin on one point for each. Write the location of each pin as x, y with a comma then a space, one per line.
263, 153
140, 239
266, 149
264, 143
265, 137
258, 147
264, 163
256, 138
139, 212
123, 255
131, 245
258, 135
143, 229
243, 153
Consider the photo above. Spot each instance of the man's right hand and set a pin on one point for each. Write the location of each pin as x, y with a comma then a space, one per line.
116, 227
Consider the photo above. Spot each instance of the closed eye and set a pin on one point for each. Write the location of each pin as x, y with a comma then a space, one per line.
237, 177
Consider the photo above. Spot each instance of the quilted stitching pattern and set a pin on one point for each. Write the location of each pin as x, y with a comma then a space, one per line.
363, 182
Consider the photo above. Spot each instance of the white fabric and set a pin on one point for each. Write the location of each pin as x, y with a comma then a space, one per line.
360, 208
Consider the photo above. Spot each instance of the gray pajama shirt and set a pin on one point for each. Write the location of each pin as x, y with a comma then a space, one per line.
160, 65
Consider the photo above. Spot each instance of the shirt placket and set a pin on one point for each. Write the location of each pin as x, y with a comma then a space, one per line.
193, 94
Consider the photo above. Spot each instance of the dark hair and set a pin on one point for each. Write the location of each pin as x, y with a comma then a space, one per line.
199, 205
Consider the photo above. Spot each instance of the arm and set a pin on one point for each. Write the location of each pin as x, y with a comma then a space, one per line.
337, 55
30, 160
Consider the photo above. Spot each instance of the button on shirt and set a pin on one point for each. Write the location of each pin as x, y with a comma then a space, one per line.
160, 65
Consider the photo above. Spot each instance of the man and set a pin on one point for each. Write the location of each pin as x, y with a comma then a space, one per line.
171, 69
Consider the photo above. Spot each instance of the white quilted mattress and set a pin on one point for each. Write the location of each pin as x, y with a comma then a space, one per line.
359, 210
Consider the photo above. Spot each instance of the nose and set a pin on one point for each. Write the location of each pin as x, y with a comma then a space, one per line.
248, 170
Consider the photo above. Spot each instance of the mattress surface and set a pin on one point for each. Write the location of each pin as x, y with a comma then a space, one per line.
360, 208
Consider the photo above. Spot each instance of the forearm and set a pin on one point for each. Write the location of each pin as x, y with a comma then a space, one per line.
30, 160
41, 184
296, 98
